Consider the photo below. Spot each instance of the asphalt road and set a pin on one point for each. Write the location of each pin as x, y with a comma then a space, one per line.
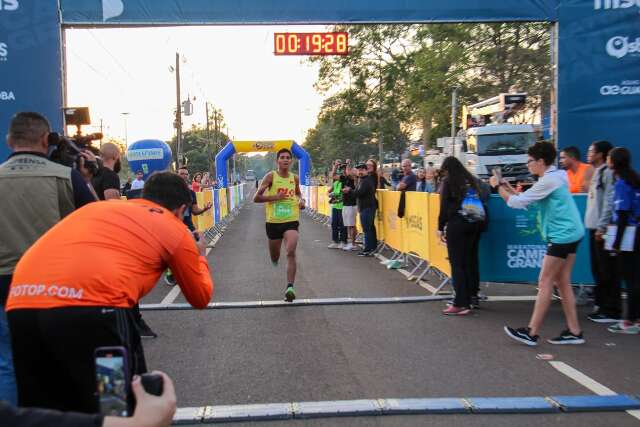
319, 353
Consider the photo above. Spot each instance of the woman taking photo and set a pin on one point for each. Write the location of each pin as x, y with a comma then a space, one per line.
460, 230
626, 212
562, 229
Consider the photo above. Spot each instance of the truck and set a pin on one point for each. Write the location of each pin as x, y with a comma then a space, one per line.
487, 141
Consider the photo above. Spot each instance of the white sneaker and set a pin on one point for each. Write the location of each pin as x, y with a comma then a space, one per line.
347, 247
334, 245
341, 245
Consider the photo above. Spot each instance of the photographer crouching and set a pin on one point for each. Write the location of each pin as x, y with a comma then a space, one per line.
36, 194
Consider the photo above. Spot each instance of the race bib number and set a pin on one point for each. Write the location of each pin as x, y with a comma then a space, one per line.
282, 210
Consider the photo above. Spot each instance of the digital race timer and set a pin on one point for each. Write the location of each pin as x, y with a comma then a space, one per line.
311, 43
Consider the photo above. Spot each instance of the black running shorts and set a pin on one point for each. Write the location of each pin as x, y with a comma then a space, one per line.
275, 231
562, 250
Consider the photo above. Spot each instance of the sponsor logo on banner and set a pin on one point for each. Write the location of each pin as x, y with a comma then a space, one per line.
9, 5
4, 52
620, 46
414, 222
111, 9
615, 4
145, 154
525, 256
7, 96
626, 88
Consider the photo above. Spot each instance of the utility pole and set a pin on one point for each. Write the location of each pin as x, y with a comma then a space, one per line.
454, 109
179, 156
380, 131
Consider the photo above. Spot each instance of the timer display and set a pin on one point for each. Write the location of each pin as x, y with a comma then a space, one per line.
311, 43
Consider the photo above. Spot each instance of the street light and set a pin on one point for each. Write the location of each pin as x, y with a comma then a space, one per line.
126, 138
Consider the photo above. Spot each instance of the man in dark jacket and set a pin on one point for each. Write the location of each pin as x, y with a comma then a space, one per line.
365, 193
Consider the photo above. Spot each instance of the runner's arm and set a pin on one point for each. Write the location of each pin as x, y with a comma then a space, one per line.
301, 201
266, 183
191, 271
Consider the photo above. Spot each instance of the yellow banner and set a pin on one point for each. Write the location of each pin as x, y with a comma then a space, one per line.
438, 255
206, 219
222, 197
416, 221
261, 146
380, 215
393, 235
314, 198
323, 201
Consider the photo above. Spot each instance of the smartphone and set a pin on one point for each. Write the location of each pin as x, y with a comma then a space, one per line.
497, 172
113, 381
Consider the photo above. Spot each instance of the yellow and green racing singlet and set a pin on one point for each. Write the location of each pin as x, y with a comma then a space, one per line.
286, 210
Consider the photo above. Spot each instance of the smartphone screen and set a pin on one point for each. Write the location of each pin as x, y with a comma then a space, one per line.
112, 380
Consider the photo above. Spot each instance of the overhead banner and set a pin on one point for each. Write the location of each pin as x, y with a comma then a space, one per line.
599, 73
30, 63
96, 12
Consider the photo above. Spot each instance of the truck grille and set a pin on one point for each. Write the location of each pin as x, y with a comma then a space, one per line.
514, 169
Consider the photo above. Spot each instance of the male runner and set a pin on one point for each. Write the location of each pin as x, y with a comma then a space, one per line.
282, 188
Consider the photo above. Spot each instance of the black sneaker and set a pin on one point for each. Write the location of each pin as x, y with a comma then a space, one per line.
365, 253
567, 337
602, 318
475, 302
145, 331
521, 335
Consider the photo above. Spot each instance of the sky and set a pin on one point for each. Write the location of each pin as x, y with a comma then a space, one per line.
262, 96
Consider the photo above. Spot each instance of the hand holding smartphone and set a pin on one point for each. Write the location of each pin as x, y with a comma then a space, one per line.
113, 381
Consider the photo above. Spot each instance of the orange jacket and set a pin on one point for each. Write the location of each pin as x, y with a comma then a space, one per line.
576, 179
109, 253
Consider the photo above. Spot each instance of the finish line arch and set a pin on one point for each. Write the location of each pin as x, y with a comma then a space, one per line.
233, 147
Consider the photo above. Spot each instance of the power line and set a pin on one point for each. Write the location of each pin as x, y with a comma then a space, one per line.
118, 63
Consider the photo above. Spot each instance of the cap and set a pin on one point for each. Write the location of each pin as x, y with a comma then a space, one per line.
361, 166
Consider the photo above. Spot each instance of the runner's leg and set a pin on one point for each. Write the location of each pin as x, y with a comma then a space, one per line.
290, 244
274, 249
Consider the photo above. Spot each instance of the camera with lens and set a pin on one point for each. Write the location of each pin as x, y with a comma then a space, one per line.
66, 150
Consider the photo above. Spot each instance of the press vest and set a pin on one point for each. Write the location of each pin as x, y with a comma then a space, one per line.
286, 210
36, 194
576, 179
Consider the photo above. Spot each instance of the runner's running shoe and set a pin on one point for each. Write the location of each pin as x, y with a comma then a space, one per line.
521, 335
567, 337
290, 294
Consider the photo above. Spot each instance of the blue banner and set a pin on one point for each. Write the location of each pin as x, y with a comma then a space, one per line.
296, 11
30, 63
512, 249
599, 73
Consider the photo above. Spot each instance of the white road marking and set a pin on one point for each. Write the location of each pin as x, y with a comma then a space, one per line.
588, 382
171, 296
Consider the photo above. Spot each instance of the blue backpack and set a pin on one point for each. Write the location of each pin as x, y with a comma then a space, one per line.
471, 208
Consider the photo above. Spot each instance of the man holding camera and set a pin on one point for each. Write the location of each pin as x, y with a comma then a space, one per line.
65, 301
36, 193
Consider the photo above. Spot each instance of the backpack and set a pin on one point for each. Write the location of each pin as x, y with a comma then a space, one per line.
472, 208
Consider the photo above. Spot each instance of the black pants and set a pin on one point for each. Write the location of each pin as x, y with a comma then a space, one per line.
338, 230
629, 270
54, 353
603, 269
462, 244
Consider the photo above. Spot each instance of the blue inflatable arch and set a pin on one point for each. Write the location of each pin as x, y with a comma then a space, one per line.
233, 147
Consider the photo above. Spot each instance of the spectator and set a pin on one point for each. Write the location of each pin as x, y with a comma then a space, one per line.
151, 411
54, 192
579, 173
192, 209
561, 228
81, 303
396, 176
138, 183
338, 230
596, 218
420, 180
349, 209
196, 184
430, 175
127, 186
383, 183
107, 182
408, 182
365, 193
460, 230
626, 213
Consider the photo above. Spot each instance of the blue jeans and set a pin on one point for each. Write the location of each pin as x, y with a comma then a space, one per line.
367, 220
338, 230
7, 376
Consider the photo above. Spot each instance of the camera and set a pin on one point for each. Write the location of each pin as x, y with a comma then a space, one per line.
66, 151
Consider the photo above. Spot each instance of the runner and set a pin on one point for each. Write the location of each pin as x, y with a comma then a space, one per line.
278, 191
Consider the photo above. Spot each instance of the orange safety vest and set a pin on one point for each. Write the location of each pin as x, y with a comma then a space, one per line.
576, 179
